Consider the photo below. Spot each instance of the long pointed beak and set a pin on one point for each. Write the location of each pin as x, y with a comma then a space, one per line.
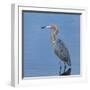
43, 27
46, 27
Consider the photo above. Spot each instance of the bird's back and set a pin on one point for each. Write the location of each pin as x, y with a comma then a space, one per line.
62, 52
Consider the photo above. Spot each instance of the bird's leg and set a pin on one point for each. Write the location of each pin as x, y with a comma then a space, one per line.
64, 67
60, 68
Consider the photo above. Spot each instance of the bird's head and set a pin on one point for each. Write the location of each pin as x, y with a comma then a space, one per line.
51, 26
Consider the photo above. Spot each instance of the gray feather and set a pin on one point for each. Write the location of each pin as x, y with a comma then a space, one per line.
62, 52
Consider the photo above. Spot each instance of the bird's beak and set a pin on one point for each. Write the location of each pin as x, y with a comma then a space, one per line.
48, 27
43, 27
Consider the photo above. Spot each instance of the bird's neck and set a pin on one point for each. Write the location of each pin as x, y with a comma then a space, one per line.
54, 37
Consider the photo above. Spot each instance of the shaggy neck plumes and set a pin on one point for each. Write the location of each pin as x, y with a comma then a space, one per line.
54, 37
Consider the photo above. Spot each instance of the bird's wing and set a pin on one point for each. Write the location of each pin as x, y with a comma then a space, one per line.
62, 52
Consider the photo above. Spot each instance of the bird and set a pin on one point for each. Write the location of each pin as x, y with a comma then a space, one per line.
60, 48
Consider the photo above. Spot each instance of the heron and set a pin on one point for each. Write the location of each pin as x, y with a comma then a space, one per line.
59, 47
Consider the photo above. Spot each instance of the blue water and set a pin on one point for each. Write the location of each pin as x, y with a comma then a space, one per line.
39, 56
